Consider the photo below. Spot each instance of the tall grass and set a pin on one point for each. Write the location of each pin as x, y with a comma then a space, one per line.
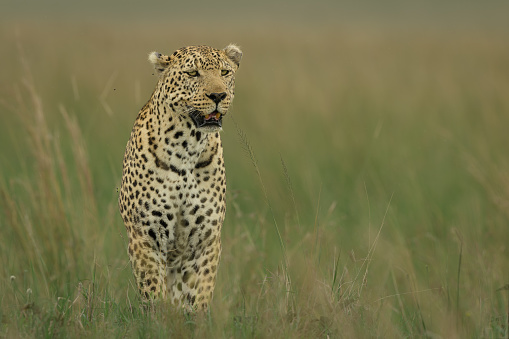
367, 186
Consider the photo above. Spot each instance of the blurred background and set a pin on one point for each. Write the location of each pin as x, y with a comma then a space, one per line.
363, 134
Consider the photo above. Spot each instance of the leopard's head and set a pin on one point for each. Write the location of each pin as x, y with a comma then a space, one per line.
198, 82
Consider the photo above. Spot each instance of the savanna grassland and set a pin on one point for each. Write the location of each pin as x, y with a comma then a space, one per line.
367, 169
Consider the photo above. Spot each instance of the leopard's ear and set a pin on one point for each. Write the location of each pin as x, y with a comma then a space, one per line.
160, 61
234, 53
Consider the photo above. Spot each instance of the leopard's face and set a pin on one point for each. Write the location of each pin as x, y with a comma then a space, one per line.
198, 82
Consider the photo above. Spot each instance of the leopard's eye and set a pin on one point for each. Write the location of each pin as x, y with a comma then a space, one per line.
193, 74
225, 72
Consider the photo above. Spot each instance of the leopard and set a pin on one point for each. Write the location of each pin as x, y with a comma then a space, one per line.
172, 194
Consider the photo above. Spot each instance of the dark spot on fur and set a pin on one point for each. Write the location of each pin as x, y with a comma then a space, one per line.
186, 277
152, 234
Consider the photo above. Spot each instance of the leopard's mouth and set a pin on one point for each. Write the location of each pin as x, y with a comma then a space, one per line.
213, 119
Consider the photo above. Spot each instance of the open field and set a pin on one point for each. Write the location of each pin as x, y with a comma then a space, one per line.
380, 156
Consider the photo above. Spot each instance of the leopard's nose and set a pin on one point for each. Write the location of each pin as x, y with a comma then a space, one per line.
217, 97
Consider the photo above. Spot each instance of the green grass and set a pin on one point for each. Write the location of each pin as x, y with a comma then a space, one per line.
368, 193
